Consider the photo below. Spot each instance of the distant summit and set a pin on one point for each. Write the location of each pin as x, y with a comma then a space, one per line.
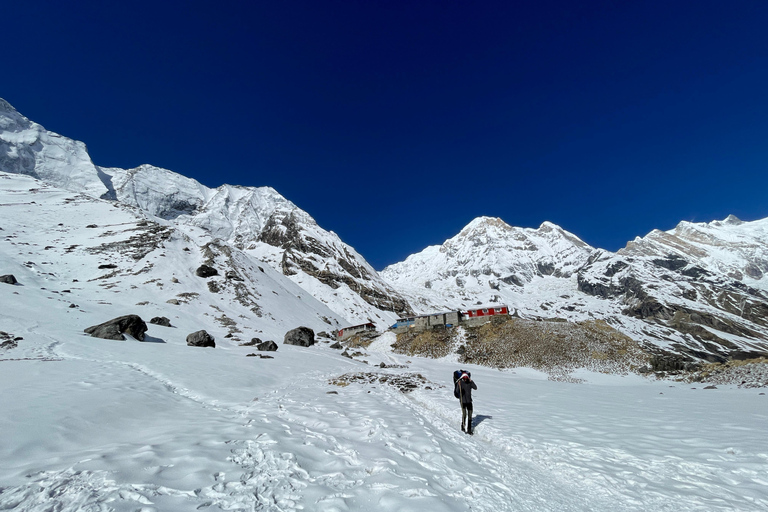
484, 263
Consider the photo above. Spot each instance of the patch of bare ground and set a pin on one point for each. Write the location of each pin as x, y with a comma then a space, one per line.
748, 373
434, 343
405, 382
361, 340
556, 347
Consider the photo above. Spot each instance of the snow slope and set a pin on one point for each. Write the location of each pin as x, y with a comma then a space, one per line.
93, 424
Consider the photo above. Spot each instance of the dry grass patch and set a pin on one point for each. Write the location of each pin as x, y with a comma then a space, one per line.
435, 343
557, 348
361, 340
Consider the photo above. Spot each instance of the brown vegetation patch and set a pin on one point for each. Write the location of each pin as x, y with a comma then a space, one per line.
434, 343
557, 347
361, 340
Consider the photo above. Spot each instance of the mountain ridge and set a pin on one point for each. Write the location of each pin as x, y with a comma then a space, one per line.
254, 219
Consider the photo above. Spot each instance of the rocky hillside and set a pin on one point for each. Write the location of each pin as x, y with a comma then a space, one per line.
702, 287
258, 221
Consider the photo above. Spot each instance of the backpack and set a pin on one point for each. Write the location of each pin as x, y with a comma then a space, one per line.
456, 376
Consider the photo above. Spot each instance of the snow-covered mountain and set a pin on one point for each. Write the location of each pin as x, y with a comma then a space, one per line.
700, 289
258, 221
106, 256
702, 286
486, 261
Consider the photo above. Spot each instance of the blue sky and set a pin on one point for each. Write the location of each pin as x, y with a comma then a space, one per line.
396, 123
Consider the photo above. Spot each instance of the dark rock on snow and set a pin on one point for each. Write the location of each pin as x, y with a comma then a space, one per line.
161, 320
200, 339
337, 346
206, 271
301, 336
114, 329
8, 279
267, 346
231, 274
107, 265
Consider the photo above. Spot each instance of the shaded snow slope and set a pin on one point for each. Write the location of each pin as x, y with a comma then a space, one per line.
258, 220
94, 424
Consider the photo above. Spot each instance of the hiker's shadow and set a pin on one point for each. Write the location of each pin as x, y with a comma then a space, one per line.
479, 419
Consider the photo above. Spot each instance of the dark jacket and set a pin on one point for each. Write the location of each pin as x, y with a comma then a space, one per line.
465, 388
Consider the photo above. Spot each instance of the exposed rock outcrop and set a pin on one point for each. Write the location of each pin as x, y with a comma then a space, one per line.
267, 346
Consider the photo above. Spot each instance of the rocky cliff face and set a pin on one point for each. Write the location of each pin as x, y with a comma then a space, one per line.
257, 220
705, 282
700, 290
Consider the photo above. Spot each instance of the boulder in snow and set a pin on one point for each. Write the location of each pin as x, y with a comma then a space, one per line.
161, 320
201, 339
206, 271
267, 346
114, 329
301, 336
8, 279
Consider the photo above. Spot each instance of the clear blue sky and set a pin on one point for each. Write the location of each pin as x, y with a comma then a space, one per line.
396, 123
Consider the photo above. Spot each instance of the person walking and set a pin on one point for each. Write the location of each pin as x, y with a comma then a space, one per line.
464, 386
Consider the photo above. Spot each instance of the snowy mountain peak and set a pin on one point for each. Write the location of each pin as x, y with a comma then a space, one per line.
7, 108
488, 261
485, 223
732, 219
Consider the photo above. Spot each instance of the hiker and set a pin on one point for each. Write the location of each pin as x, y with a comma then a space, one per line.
464, 387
